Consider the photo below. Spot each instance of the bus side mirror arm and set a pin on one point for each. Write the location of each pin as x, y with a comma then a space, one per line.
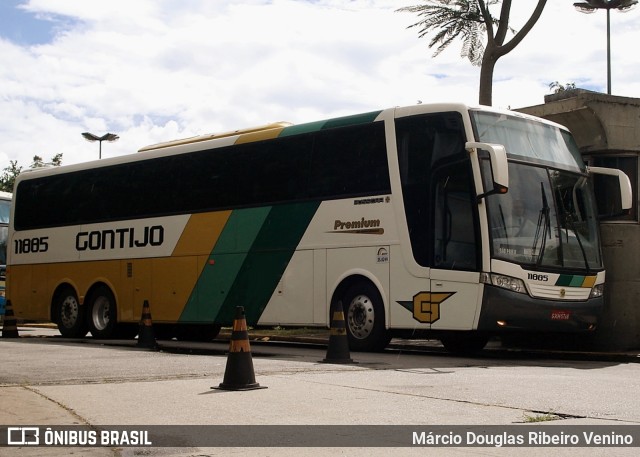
626, 194
499, 166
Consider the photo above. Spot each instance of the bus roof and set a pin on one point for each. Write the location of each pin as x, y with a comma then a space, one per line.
270, 131
264, 132
214, 136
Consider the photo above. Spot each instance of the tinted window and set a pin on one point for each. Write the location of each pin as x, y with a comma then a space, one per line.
437, 187
327, 164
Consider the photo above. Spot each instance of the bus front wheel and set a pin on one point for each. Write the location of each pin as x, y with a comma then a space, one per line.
102, 313
364, 318
69, 314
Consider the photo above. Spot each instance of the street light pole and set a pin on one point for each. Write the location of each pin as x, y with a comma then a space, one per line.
110, 137
609, 51
591, 6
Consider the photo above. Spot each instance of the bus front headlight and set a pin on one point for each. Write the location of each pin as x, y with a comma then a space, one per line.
597, 291
504, 282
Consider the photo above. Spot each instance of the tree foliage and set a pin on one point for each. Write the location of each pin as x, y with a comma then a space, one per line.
56, 161
452, 20
557, 88
472, 22
10, 173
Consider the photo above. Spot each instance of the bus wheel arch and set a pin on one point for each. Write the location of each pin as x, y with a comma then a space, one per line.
68, 313
364, 313
101, 311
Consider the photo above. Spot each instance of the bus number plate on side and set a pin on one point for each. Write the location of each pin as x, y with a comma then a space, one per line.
560, 315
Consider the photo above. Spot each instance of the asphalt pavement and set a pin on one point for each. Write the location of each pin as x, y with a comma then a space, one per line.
294, 393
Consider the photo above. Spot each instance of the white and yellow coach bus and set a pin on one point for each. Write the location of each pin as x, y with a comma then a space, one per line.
410, 217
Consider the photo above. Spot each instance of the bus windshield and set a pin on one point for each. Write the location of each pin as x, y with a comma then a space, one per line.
529, 140
548, 217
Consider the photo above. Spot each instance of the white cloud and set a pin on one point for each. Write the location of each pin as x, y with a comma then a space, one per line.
153, 70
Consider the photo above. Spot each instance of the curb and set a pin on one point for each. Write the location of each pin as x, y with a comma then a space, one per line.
321, 338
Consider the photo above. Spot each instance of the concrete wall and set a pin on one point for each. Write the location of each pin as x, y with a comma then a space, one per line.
600, 123
606, 125
620, 326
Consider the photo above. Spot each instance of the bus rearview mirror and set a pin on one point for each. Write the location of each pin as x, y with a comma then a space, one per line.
499, 166
613, 191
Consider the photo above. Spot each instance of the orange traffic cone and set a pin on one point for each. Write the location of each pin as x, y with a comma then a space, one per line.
146, 336
338, 349
10, 324
238, 374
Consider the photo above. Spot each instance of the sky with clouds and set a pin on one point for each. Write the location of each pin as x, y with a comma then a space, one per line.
157, 70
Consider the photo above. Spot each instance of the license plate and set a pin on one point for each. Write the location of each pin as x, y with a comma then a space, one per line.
560, 315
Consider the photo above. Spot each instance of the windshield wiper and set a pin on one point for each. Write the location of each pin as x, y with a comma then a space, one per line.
570, 224
569, 220
504, 225
542, 229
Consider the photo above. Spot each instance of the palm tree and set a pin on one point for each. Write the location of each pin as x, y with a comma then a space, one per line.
470, 20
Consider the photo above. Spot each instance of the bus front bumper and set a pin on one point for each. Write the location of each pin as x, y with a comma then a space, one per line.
504, 310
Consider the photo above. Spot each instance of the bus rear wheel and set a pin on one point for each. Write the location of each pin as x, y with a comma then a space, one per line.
69, 314
102, 313
364, 318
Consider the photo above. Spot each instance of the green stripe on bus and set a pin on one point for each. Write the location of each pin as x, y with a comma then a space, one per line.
302, 128
330, 123
224, 263
570, 281
351, 120
577, 281
247, 262
266, 262
564, 280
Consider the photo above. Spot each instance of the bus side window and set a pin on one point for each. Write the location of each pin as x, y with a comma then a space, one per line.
437, 190
414, 157
455, 245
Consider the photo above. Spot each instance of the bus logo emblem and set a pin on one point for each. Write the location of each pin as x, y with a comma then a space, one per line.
426, 306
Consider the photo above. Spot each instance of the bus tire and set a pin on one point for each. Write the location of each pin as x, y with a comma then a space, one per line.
364, 318
101, 313
464, 343
68, 314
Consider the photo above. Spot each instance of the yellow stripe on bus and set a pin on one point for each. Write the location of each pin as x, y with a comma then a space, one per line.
259, 136
201, 233
589, 281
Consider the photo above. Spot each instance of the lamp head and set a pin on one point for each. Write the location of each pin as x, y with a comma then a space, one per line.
591, 6
106, 137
